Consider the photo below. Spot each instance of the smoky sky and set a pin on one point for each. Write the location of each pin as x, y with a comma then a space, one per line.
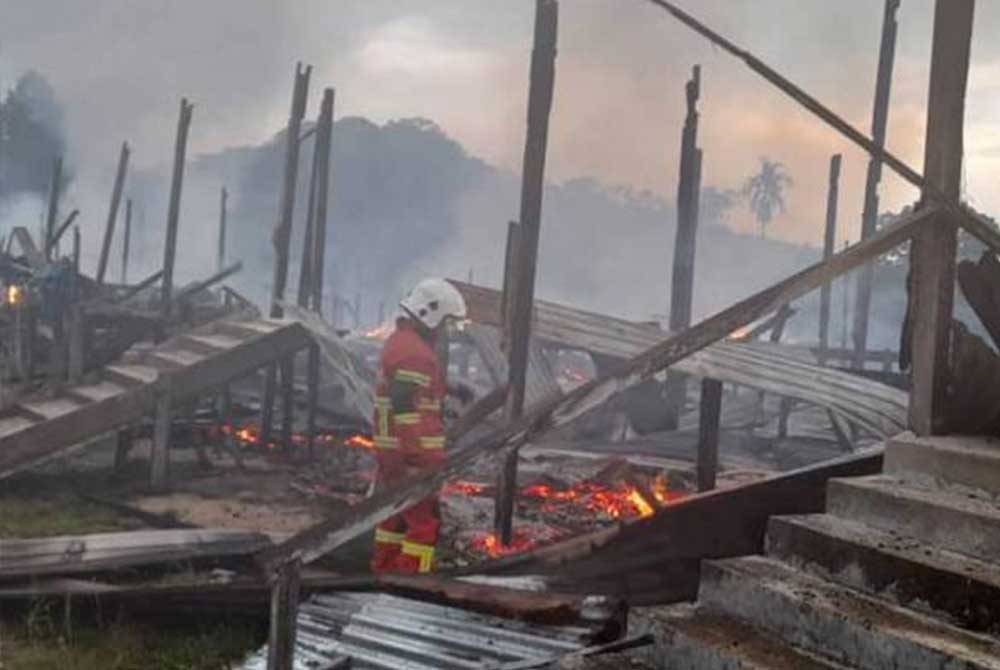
120, 68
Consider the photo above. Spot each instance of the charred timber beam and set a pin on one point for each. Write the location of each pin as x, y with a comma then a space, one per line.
284, 614
829, 246
932, 269
324, 140
194, 289
869, 217
282, 236
542, 83
328, 535
109, 226
53, 209
220, 252
974, 223
709, 413
126, 240
174, 208
682, 283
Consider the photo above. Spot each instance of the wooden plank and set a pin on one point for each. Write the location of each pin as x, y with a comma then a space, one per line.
330, 534
869, 217
709, 412
174, 208
109, 226
541, 85
82, 554
932, 272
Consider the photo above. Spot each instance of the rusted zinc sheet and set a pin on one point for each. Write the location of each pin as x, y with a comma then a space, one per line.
382, 632
876, 407
39, 428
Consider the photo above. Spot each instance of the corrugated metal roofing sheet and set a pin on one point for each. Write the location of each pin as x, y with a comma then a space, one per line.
383, 632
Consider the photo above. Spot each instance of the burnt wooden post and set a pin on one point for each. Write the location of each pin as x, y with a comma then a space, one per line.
308, 250
312, 398
709, 416
126, 239
284, 612
869, 217
324, 139
682, 284
283, 232
829, 242
173, 212
109, 226
53, 210
933, 250
287, 401
77, 329
543, 59
160, 456
511, 254
220, 253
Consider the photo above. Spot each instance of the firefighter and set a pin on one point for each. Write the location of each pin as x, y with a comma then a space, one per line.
409, 429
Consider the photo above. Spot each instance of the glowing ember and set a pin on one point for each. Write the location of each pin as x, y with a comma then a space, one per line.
488, 544
462, 488
617, 502
359, 441
379, 332
640, 503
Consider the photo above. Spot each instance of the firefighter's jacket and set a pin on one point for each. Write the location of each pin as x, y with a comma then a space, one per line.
409, 431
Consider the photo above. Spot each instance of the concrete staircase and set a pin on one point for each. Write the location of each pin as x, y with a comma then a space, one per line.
902, 572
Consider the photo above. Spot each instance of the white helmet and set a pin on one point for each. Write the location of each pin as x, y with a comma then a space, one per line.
432, 301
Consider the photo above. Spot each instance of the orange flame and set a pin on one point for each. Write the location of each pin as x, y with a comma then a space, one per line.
360, 441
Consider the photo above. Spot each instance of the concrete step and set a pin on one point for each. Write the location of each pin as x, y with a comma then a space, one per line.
956, 461
912, 573
837, 622
690, 638
963, 523
130, 376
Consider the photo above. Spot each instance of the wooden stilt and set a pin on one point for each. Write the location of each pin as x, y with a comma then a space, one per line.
284, 612
312, 398
532, 187
927, 329
160, 457
682, 284
126, 240
869, 217
220, 253
173, 212
109, 226
709, 413
283, 232
53, 210
829, 242
324, 139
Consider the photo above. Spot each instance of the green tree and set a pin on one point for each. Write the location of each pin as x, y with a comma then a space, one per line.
765, 192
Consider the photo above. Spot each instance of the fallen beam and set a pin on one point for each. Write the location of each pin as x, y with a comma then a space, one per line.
79, 554
326, 536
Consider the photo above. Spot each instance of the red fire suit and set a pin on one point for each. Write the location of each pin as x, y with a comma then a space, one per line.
408, 436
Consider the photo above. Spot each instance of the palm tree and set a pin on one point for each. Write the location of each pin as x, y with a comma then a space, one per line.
765, 192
